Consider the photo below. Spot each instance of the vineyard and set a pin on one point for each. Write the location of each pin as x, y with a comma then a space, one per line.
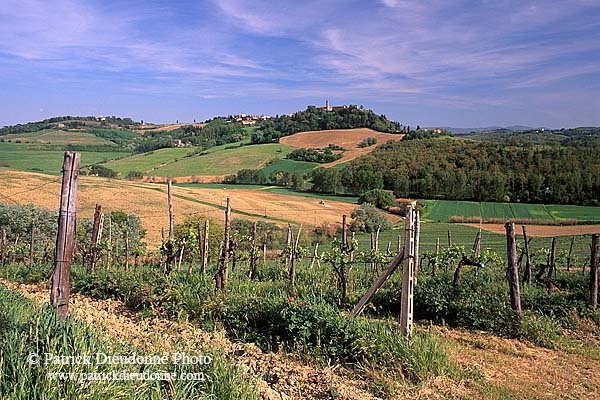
301, 311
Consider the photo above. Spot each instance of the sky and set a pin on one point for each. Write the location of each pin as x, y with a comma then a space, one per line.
433, 63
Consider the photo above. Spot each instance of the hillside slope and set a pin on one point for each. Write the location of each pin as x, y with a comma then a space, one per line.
346, 138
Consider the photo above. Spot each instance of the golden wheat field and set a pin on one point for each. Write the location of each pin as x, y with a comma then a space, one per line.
347, 138
149, 201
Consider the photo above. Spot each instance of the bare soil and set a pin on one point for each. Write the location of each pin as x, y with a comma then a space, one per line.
347, 138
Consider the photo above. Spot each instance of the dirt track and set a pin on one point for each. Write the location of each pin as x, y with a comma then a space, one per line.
544, 230
347, 138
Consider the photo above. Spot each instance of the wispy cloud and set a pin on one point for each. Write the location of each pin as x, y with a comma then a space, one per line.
441, 54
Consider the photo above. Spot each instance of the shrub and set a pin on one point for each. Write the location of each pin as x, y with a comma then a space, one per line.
366, 218
370, 141
379, 198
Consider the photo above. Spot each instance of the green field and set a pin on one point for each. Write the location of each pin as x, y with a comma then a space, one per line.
58, 137
530, 211
146, 161
19, 157
496, 210
301, 167
224, 161
581, 213
443, 210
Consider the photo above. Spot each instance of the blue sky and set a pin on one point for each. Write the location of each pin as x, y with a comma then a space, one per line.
433, 63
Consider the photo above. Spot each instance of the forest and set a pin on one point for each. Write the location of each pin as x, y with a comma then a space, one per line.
471, 170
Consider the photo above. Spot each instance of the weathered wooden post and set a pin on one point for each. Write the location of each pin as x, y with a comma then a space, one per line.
31, 244
570, 252
344, 233
437, 255
294, 256
3, 247
416, 245
373, 265
594, 272
527, 273
253, 254
95, 237
264, 255
408, 273
223, 269
205, 247
60, 288
171, 213
288, 244
181, 250
109, 250
126, 250
552, 263
512, 272
315, 257
449, 238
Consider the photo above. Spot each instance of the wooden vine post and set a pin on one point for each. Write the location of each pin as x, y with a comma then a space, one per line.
594, 272
570, 253
552, 263
253, 254
513, 271
288, 244
315, 257
109, 250
127, 250
416, 246
294, 256
31, 244
204, 264
437, 255
60, 277
527, 273
171, 214
95, 237
341, 269
3, 247
223, 269
169, 246
408, 273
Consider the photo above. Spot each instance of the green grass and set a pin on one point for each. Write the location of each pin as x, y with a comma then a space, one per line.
146, 161
20, 157
224, 161
54, 136
26, 329
301, 167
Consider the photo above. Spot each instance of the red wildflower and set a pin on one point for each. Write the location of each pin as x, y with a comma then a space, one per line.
303, 303
291, 299
295, 294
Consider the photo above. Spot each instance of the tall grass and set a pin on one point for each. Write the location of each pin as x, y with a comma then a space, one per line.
25, 330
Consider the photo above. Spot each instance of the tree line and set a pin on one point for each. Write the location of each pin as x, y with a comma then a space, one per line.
480, 171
